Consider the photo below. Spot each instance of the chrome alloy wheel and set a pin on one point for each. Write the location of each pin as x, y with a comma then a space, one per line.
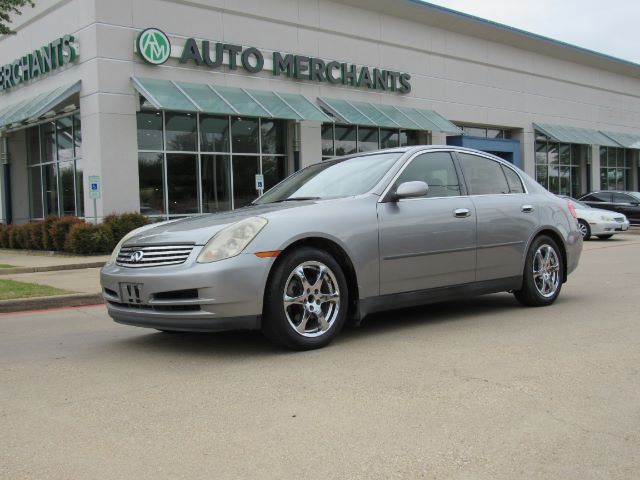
546, 270
311, 299
583, 229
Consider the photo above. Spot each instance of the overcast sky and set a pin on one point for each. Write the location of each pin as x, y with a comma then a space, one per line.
611, 27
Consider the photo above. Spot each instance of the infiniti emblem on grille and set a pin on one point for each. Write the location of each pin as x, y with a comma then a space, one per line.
137, 256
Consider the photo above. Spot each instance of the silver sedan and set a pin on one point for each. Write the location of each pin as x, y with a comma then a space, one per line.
342, 239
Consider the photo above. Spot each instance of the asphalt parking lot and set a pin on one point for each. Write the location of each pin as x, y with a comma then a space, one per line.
477, 389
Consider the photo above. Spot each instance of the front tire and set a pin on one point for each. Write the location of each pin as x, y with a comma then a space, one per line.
585, 229
543, 274
305, 301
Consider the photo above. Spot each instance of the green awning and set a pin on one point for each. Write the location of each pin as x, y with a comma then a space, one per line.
390, 116
584, 136
627, 140
35, 107
208, 98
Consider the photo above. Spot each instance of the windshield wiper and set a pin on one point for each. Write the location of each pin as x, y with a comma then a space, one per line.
296, 199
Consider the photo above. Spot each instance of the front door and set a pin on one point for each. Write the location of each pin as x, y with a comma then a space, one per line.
427, 242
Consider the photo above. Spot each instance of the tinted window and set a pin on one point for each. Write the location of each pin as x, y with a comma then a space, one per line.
436, 169
598, 197
483, 176
623, 198
515, 184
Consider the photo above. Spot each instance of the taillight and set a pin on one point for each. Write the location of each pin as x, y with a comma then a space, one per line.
572, 209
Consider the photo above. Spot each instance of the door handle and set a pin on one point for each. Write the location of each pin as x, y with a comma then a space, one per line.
527, 208
461, 213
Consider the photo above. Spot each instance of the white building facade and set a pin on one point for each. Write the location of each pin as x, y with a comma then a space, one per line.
176, 108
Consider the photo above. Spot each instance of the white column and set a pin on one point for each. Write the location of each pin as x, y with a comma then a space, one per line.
594, 171
438, 138
310, 143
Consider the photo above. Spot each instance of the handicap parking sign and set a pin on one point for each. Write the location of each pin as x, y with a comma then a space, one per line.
94, 186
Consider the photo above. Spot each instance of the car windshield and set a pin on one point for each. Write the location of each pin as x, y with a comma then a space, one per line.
579, 204
339, 178
636, 195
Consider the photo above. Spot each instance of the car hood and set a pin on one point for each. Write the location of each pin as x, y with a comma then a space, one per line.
199, 229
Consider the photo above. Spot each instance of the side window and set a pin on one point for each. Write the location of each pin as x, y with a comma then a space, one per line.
513, 179
436, 169
483, 176
598, 197
622, 198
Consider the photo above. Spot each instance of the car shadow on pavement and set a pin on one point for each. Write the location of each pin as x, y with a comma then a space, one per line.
252, 343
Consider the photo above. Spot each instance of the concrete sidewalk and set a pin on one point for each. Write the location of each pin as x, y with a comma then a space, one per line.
80, 275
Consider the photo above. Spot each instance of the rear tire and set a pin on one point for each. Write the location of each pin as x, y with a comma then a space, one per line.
543, 274
306, 300
605, 237
585, 229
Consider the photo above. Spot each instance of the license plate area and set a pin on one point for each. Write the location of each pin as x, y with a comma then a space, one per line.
131, 292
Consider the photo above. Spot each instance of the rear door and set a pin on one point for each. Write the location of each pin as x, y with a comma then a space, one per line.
507, 216
427, 242
627, 205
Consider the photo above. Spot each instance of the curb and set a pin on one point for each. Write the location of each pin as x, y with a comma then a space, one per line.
51, 268
44, 303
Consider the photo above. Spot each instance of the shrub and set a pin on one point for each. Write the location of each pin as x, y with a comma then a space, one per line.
4, 236
48, 222
86, 239
122, 224
36, 231
59, 231
14, 237
22, 231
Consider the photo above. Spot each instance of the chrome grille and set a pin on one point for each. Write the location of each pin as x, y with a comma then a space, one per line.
153, 255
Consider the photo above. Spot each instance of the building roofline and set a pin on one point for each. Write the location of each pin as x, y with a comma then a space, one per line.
520, 32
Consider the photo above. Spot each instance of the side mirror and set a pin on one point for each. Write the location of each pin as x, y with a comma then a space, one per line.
411, 190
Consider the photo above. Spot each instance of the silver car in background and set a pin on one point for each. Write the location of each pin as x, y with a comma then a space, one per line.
344, 238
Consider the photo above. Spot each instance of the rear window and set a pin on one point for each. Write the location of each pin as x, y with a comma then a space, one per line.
513, 179
483, 176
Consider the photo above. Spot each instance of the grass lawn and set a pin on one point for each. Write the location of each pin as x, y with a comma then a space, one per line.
6, 265
10, 289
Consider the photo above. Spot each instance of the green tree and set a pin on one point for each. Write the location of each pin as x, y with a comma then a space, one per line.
11, 7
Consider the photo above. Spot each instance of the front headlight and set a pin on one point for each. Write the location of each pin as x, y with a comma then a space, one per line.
231, 240
606, 218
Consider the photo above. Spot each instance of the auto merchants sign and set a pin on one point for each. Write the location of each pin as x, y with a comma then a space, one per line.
155, 48
50, 57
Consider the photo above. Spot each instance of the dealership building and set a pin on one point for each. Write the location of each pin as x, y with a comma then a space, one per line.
173, 107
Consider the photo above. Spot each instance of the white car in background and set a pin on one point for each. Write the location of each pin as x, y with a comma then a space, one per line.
597, 222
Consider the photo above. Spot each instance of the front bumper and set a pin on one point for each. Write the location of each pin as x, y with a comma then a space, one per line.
606, 228
224, 295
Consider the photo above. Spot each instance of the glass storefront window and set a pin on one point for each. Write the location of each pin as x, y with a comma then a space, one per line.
615, 169
345, 140
215, 174
214, 134
151, 174
35, 189
64, 138
273, 169
181, 132
48, 142
273, 136
245, 169
327, 140
367, 139
244, 132
182, 183
54, 151
389, 138
219, 174
408, 138
50, 180
67, 191
559, 165
149, 130
33, 145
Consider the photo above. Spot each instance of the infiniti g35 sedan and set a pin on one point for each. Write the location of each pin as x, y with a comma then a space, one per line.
344, 238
